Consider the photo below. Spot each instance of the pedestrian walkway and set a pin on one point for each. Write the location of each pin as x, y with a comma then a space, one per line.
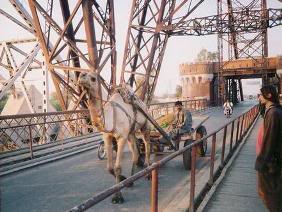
238, 190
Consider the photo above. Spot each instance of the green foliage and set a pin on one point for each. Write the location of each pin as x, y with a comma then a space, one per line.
54, 102
205, 56
3, 101
178, 91
164, 125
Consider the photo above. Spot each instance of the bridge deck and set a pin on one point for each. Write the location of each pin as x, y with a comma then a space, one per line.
238, 190
60, 185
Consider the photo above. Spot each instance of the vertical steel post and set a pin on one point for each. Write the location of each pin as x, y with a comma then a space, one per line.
154, 191
242, 125
193, 180
231, 137
223, 146
237, 131
30, 142
212, 159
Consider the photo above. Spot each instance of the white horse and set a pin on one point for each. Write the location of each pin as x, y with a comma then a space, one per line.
118, 120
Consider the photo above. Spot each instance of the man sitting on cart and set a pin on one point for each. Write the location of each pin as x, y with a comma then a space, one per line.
182, 124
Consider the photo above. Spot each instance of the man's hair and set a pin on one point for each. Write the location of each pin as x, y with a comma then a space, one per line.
178, 103
270, 89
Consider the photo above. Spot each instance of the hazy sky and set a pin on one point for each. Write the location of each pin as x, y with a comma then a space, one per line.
179, 49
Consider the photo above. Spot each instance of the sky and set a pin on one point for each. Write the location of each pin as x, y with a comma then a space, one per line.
179, 49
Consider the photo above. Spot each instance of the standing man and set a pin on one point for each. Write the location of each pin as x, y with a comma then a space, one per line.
269, 160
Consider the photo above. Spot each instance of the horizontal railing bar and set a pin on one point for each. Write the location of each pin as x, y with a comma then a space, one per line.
73, 111
43, 114
40, 123
25, 150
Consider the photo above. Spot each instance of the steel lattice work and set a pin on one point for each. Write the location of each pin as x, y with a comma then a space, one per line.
84, 41
247, 43
21, 61
150, 26
81, 38
17, 131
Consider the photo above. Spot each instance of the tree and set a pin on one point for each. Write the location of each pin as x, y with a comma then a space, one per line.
3, 102
54, 101
178, 91
205, 56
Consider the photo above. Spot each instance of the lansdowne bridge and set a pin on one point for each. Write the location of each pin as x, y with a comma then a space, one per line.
49, 160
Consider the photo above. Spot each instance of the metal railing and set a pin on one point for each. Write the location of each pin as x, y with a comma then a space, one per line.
160, 109
17, 131
238, 127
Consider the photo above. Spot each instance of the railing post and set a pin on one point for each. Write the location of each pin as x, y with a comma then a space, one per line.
242, 125
223, 146
237, 131
246, 122
231, 137
154, 191
212, 159
193, 180
30, 142
44, 130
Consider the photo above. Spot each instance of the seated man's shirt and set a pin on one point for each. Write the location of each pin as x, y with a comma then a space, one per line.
183, 121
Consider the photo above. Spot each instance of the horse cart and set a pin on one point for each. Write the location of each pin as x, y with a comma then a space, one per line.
159, 148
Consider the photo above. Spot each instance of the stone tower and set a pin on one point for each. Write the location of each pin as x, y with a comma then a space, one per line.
196, 79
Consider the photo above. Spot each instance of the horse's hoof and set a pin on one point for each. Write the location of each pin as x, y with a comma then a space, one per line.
122, 178
117, 200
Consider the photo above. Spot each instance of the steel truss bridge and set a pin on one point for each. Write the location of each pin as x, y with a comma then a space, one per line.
81, 38
69, 38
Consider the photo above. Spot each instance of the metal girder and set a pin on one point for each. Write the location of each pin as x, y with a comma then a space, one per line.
250, 39
150, 25
242, 25
243, 21
98, 34
16, 21
144, 51
15, 45
19, 70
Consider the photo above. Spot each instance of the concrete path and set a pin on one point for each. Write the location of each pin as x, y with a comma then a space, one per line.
238, 190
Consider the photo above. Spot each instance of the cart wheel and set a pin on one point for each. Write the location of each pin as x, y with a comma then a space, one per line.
141, 160
200, 133
187, 155
101, 151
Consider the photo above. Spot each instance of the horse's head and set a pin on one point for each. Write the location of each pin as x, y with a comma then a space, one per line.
89, 81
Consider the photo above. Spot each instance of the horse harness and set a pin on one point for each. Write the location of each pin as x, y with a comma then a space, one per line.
129, 99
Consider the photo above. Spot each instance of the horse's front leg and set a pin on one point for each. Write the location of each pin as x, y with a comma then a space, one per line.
108, 140
118, 198
146, 139
134, 151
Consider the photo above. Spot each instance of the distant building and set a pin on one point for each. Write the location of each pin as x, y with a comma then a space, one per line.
196, 79
18, 104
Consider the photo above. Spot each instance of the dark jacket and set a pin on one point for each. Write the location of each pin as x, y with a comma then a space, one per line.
270, 158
